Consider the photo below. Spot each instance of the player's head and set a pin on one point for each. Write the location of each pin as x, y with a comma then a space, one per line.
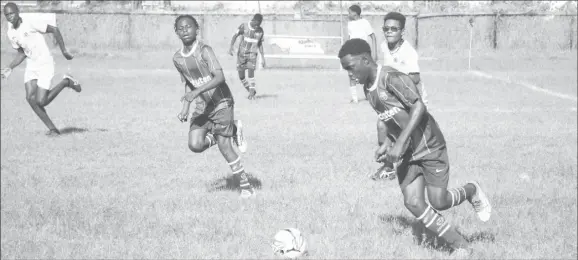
393, 27
257, 20
12, 13
186, 27
354, 12
355, 57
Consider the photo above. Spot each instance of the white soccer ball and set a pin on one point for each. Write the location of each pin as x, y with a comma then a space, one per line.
289, 243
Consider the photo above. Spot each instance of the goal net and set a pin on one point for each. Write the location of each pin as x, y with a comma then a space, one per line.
303, 44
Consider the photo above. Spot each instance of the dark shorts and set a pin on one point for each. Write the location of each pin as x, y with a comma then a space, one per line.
246, 61
435, 168
220, 122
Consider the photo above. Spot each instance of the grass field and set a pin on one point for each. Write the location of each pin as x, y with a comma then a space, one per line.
122, 184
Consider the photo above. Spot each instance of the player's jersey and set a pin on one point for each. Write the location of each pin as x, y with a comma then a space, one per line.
196, 70
404, 58
29, 37
359, 29
250, 38
391, 96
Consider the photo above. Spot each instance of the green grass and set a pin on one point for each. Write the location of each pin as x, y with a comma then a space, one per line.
123, 184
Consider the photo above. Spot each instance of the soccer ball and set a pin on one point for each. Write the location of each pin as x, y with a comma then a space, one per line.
289, 243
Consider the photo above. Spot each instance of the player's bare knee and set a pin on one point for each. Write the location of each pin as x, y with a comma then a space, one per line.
413, 203
196, 146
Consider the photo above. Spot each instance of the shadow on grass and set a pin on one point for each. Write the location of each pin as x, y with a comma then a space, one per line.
264, 96
425, 237
232, 184
72, 129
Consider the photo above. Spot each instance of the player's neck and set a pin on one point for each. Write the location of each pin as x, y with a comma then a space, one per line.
187, 48
394, 46
372, 74
17, 23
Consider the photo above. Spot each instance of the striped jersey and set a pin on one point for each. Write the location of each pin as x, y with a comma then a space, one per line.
391, 96
196, 69
250, 38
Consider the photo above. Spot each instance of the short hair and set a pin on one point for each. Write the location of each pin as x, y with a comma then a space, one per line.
354, 47
258, 17
356, 9
395, 16
183, 16
12, 5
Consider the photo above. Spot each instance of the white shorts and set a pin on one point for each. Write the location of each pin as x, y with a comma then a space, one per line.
42, 73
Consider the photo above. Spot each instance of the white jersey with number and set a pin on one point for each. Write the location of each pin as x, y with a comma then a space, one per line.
29, 37
359, 29
404, 58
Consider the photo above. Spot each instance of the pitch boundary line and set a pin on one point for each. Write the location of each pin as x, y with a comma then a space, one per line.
526, 85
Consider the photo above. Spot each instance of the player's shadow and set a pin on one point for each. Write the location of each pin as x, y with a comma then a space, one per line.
232, 184
424, 237
72, 130
265, 96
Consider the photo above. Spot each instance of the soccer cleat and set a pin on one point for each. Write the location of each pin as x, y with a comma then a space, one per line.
252, 94
75, 84
462, 253
239, 138
481, 203
384, 172
247, 191
53, 132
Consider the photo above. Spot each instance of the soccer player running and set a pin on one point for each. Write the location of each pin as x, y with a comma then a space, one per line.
212, 121
26, 36
359, 28
413, 139
250, 46
400, 55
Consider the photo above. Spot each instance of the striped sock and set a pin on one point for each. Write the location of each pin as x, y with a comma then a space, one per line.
252, 83
353, 90
461, 194
436, 223
210, 139
245, 83
239, 171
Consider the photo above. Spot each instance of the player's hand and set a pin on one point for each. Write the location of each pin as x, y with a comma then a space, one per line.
381, 152
190, 96
263, 64
183, 115
6, 73
67, 55
231, 52
394, 154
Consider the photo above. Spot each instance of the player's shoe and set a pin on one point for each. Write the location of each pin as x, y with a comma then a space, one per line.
247, 191
481, 203
463, 253
252, 94
239, 138
75, 84
53, 132
384, 172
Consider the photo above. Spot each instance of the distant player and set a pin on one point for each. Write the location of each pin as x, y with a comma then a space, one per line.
213, 119
398, 53
414, 141
25, 35
359, 28
249, 48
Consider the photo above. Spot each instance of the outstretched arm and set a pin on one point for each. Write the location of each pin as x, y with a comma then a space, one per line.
234, 39
20, 57
58, 36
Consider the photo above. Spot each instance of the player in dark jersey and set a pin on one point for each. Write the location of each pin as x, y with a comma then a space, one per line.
213, 119
251, 44
414, 142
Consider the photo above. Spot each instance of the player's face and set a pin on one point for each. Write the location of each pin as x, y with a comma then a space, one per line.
392, 31
357, 67
187, 31
352, 15
11, 14
255, 23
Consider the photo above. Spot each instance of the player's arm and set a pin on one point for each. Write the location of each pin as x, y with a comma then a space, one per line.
20, 57
371, 34
47, 28
415, 77
405, 90
234, 39
217, 72
260, 44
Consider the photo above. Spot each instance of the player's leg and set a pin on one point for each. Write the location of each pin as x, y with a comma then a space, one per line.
353, 90
200, 139
251, 79
387, 170
412, 186
225, 129
241, 68
31, 91
436, 171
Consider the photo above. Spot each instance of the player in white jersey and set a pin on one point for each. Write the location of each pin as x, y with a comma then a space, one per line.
359, 28
398, 53
26, 36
